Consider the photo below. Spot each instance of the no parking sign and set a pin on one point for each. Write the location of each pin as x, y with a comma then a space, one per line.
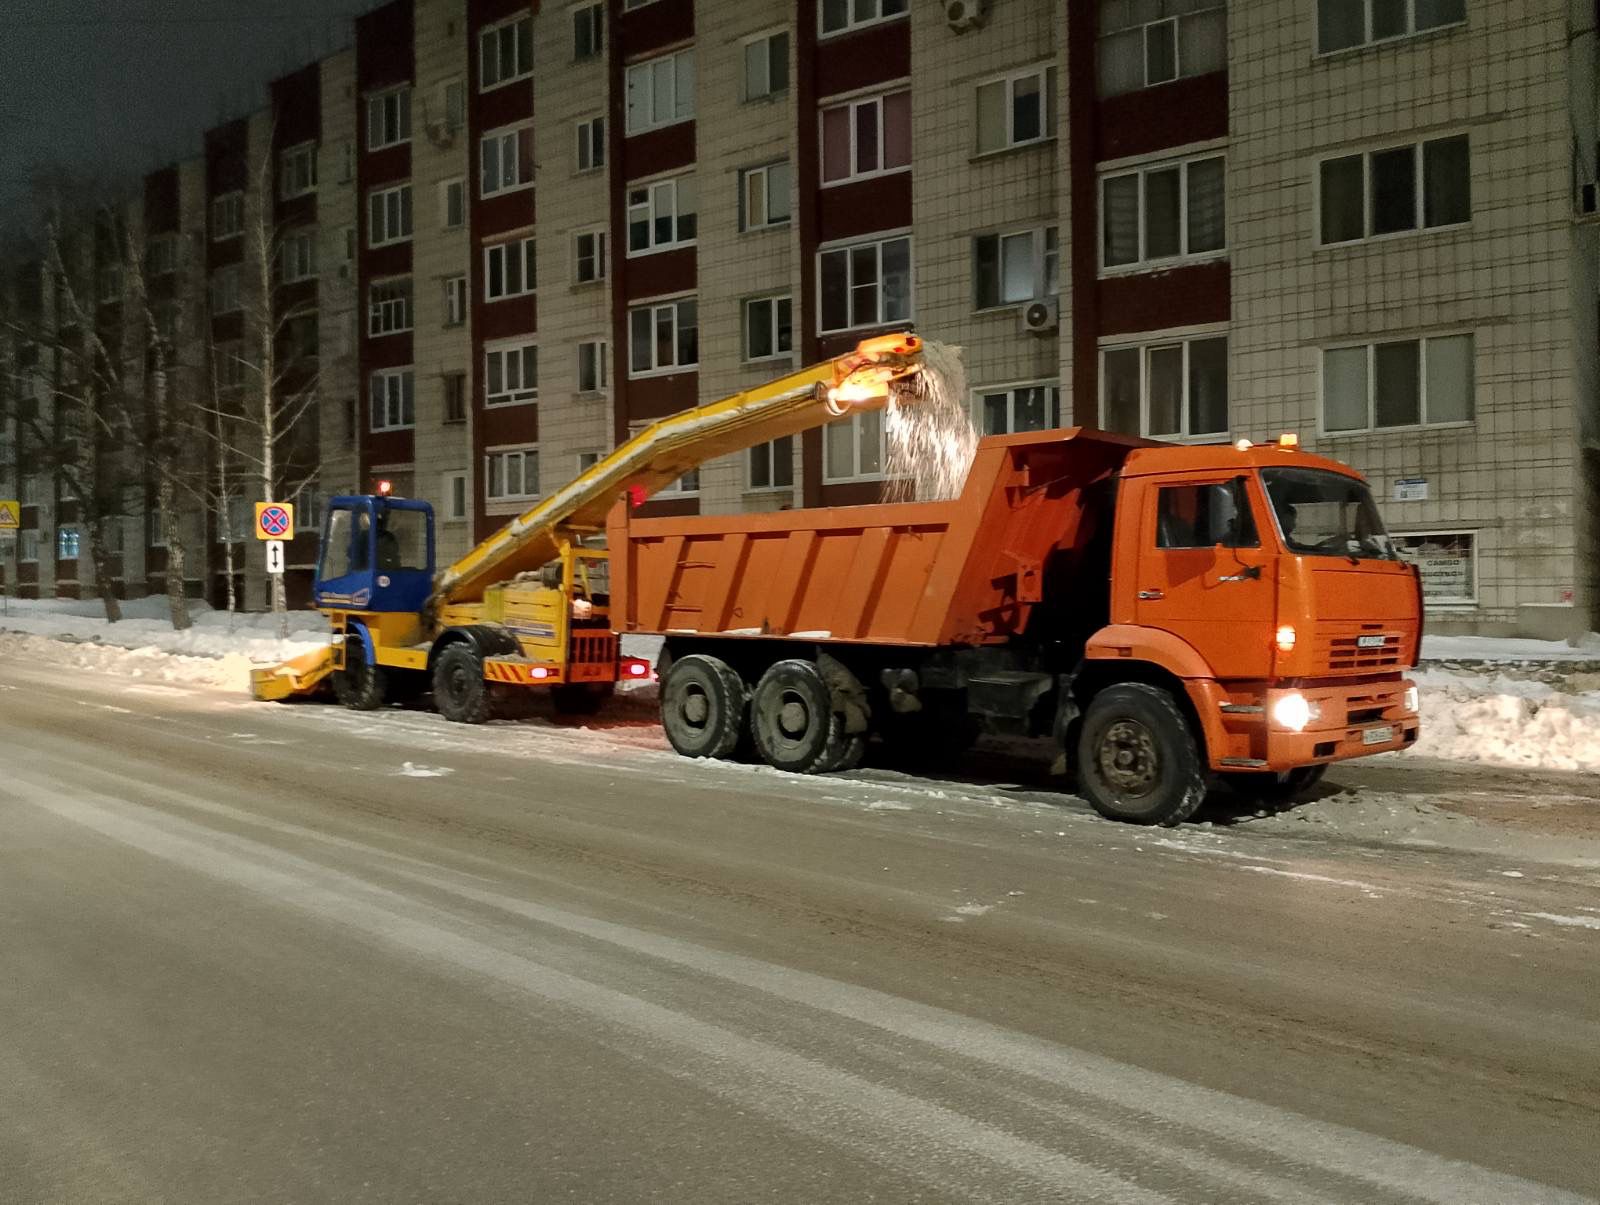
274, 520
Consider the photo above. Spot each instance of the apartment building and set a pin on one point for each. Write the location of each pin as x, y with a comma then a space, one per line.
533, 229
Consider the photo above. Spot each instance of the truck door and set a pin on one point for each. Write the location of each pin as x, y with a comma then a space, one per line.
1203, 574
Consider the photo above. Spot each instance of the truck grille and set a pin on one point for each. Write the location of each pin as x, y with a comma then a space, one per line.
594, 648
1364, 650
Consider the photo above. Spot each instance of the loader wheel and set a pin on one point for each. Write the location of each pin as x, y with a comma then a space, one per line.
459, 690
1137, 757
1276, 788
360, 686
581, 698
702, 706
793, 720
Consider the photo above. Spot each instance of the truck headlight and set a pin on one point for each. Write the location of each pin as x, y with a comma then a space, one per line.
1412, 700
1293, 711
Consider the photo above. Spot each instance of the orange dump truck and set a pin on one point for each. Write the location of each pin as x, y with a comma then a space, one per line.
1167, 614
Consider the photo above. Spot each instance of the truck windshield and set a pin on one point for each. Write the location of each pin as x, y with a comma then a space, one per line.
1326, 514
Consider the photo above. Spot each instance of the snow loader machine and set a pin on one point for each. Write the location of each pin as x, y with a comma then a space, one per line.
529, 606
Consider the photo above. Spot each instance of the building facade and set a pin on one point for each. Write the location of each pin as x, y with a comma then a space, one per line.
506, 236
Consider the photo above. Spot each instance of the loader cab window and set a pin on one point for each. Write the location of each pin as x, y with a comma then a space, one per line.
344, 548
1214, 515
403, 542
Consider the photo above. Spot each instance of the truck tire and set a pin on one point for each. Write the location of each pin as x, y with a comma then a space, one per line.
459, 690
581, 698
1276, 788
702, 706
847, 754
793, 720
1137, 757
360, 686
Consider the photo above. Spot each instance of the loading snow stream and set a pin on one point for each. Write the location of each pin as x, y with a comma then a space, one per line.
929, 440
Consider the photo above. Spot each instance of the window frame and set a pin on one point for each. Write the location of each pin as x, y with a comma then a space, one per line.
1371, 345
765, 170
855, 420
774, 325
1419, 191
1049, 82
233, 273
306, 152
504, 450
597, 30
448, 496
601, 353
28, 546
746, 96
401, 94
879, 98
230, 203
980, 393
513, 135
453, 414
1474, 534
590, 131
770, 450
528, 265
600, 235
1368, 40
654, 122
878, 241
852, 23
495, 30
1143, 170
649, 188
654, 307
1149, 341
458, 183
402, 302
402, 191
1041, 256
401, 374
523, 394
457, 299
305, 268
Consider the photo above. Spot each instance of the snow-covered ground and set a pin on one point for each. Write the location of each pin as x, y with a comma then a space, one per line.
1524, 703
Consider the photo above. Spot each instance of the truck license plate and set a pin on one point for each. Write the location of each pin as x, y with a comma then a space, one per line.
1370, 642
1377, 736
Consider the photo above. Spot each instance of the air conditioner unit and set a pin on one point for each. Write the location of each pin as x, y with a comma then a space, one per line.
1042, 316
962, 15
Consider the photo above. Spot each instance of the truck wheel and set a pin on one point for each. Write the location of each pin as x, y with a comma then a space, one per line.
581, 698
359, 686
846, 754
1137, 758
793, 720
702, 706
459, 690
1276, 788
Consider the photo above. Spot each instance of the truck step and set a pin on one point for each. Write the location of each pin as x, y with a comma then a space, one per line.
1011, 693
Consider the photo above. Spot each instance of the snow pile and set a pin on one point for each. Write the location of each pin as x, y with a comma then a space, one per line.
147, 626
1511, 721
1495, 648
149, 664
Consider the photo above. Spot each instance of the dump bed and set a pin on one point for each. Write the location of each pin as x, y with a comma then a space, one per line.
1035, 508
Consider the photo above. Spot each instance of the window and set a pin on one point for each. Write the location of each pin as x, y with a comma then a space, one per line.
510, 373
1017, 110
868, 284
227, 216
307, 508
660, 92
393, 400
768, 328
1397, 189
67, 540
772, 465
509, 270
1401, 383
455, 106
630, 5
161, 255
589, 256
455, 300
1018, 408
507, 161
661, 215
511, 474
664, 337
852, 448
1008, 269
1162, 212
1342, 24
587, 461
347, 162
388, 215
840, 15
766, 65
1216, 514
229, 363
109, 283
297, 256
1155, 42
389, 306
593, 366
866, 137
685, 486
388, 118
236, 521
588, 31
453, 204
301, 336
297, 171
455, 397
591, 143
505, 53
1175, 389
764, 196
225, 290
1446, 561
455, 497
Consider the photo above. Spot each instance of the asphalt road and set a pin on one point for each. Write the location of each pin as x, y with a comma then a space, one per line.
294, 954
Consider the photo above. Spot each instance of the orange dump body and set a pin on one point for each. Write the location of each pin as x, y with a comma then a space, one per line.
970, 571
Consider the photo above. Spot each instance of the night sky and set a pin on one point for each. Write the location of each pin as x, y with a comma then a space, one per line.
121, 86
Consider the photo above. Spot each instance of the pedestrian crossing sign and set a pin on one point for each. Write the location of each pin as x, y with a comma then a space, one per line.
10, 514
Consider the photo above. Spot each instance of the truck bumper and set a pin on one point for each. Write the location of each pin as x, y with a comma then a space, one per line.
1346, 719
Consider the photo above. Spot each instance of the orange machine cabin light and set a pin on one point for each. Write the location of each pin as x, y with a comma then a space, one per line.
385, 488
1289, 441
1286, 639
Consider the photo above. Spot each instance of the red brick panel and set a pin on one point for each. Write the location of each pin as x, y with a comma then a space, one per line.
1153, 301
